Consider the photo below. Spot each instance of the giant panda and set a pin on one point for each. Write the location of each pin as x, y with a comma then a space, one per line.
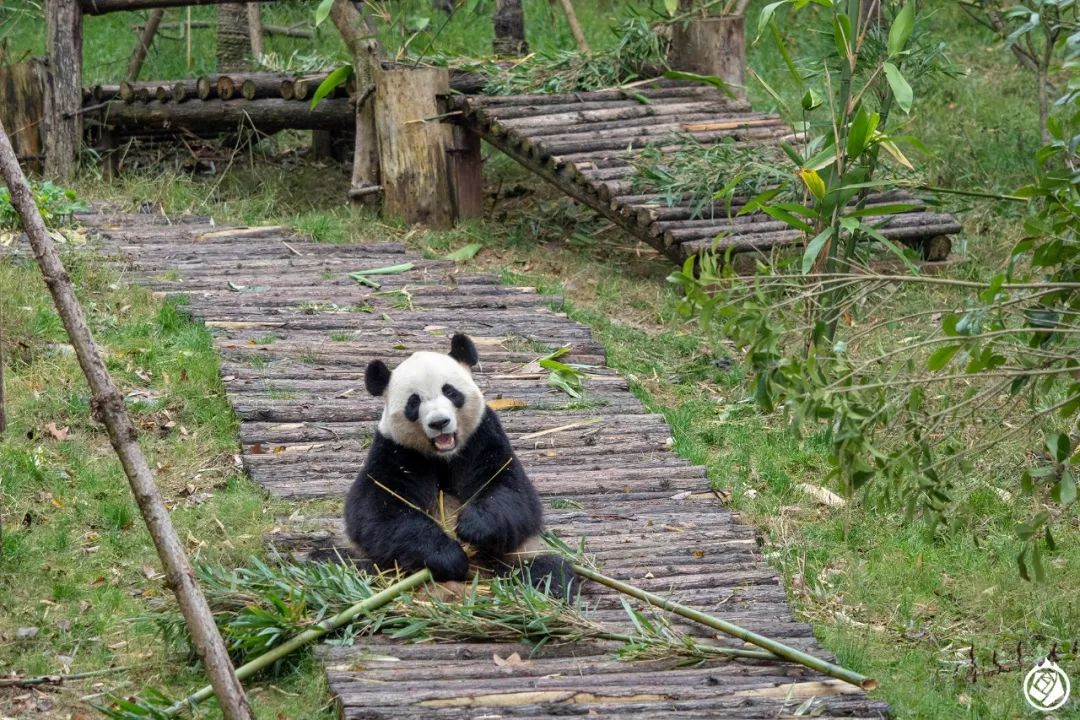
441, 466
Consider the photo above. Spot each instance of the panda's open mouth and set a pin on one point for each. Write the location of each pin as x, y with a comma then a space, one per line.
445, 442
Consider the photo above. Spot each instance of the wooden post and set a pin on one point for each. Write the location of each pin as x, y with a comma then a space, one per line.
509, 28
466, 173
142, 45
255, 27
63, 98
412, 144
711, 46
107, 405
22, 107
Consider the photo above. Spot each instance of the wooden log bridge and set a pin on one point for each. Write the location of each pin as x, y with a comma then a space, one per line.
295, 333
586, 145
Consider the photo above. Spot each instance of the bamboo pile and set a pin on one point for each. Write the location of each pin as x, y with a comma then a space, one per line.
585, 144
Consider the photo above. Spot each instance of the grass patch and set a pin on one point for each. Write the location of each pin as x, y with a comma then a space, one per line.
78, 562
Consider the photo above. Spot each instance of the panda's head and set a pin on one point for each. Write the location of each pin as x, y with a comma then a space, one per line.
432, 404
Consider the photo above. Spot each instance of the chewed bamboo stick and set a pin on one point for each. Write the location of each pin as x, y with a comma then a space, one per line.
777, 648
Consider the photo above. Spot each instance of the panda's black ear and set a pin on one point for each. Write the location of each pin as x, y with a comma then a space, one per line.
376, 377
463, 350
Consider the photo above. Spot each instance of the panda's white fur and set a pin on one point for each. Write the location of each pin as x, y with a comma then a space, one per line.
425, 374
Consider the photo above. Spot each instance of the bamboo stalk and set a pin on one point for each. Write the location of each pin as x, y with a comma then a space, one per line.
107, 406
773, 646
310, 635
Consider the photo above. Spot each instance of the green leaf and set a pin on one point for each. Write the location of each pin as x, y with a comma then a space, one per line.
672, 7
385, 270
781, 214
766, 15
332, 80
1067, 489
842, 36
861, 131
900, 89
941, 357
1023, 566
901, 29
323, 11
1059, 446
468, 252
813, 249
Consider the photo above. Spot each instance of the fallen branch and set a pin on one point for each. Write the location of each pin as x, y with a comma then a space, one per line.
26, 682
775, 647
108, 407
311, 635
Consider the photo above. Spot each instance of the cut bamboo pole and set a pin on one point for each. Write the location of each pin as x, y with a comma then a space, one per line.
108, 406
312, 634
773, 646
575, 26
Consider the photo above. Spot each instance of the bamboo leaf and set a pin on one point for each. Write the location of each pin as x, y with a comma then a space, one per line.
672, 7
332, 80
385, 270
888, 209
323, 11
901, 29
901, 90
813, 183
714, 80
468, 252
813, 249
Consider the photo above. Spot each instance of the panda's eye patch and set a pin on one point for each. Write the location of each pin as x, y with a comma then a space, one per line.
412, 408
453, 395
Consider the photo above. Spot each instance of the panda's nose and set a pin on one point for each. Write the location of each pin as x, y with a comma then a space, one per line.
438, 423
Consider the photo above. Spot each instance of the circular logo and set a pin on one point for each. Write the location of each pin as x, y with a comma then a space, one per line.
1046, 686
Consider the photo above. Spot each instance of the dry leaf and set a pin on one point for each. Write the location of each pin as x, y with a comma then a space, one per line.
148, 572
513, 660
506, 404
822, 495
57, 433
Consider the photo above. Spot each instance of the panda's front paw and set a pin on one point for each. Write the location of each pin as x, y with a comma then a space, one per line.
450, 564
479, 529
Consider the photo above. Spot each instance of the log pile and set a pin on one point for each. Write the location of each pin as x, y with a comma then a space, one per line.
585, 144
217, 103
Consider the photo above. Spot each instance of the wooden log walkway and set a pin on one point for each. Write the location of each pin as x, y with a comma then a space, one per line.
295, 334
586, 144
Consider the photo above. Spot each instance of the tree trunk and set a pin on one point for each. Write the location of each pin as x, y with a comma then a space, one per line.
233, 38
142, 45
63, 99
413, 145
22, 104
108, 407
711, 46
365, 59
509, 28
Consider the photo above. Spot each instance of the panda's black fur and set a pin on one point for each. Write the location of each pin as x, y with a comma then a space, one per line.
501, 515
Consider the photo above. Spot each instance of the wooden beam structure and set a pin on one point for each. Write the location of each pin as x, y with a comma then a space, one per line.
101, 7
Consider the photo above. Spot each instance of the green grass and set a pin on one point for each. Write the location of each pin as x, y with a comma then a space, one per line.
78, 563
